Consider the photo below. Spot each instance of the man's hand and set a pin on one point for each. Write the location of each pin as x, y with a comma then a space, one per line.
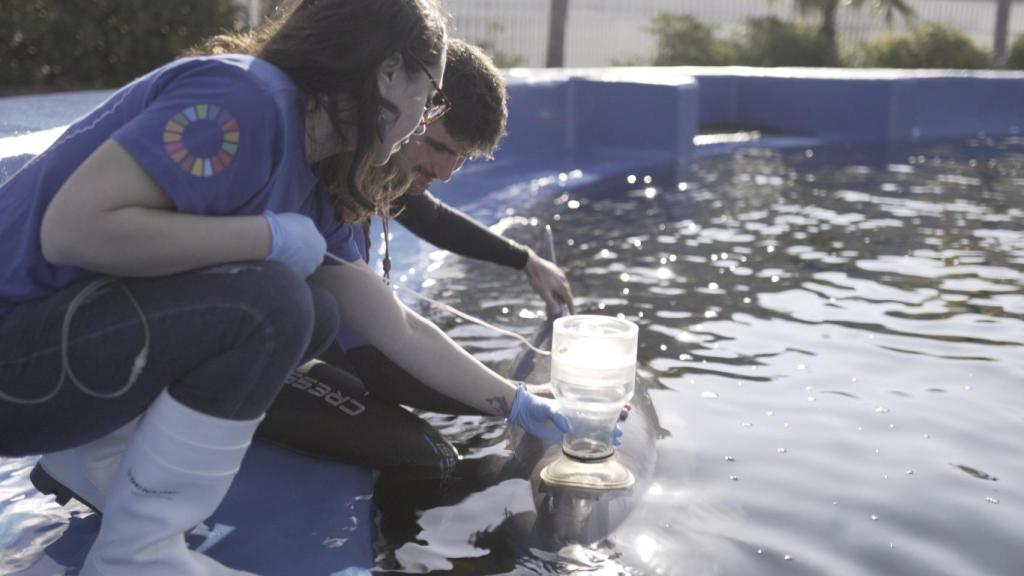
549, 282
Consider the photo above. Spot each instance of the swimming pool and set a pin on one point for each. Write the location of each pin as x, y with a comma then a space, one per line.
838, 353
834, 331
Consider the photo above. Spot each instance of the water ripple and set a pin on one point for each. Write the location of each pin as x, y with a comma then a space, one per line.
821, 303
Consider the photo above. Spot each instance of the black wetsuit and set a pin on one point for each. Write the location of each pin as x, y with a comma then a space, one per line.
349, 409
447, 228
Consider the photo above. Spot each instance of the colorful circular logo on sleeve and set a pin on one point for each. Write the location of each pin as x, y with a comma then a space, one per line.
202, 139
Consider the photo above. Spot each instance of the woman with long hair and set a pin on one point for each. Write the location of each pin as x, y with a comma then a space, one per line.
165, 265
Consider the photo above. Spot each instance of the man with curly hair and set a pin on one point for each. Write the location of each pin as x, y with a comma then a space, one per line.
473, 127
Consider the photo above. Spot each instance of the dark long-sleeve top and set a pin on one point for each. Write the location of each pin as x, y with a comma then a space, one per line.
449, 229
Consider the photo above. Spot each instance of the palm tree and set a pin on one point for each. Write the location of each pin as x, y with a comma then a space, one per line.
829, 8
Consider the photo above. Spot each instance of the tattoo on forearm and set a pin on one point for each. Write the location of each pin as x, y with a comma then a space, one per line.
499, 404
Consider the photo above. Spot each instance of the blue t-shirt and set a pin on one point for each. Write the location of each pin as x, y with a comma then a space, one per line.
221, 135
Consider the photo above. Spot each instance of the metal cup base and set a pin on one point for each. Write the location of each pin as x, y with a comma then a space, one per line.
606, 473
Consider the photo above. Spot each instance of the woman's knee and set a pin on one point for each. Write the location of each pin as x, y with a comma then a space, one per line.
274, 317
279, 304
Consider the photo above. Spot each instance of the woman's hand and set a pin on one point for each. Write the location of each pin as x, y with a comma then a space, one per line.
543, 392
538, 416
295, 242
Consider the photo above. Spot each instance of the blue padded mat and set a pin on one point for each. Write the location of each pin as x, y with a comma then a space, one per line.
284, 515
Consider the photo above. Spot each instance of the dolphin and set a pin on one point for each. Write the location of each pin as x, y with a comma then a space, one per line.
573, 515
496, 508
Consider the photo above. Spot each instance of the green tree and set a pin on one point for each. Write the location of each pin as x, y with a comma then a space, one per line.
57, 45
682, 39
769, 41
928, 46
828, 11
1015, 57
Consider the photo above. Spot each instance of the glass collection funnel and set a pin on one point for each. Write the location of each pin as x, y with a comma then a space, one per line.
593, 373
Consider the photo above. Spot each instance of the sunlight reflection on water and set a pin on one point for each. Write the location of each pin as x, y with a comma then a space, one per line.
838, 349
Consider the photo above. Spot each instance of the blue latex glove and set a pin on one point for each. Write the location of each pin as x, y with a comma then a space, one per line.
544, 391
295, 242
538, 416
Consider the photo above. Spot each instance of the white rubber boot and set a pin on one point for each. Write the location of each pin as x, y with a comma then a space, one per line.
174, 474
84, 472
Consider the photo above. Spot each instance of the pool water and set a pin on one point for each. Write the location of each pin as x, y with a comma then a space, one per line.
836, 341
834, 337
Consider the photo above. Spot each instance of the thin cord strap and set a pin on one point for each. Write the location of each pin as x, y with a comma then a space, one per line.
452, 310
387, 253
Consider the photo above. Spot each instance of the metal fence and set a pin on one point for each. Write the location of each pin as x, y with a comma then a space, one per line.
604, 32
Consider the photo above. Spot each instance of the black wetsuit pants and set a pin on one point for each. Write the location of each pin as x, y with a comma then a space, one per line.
388, 382
349, 409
